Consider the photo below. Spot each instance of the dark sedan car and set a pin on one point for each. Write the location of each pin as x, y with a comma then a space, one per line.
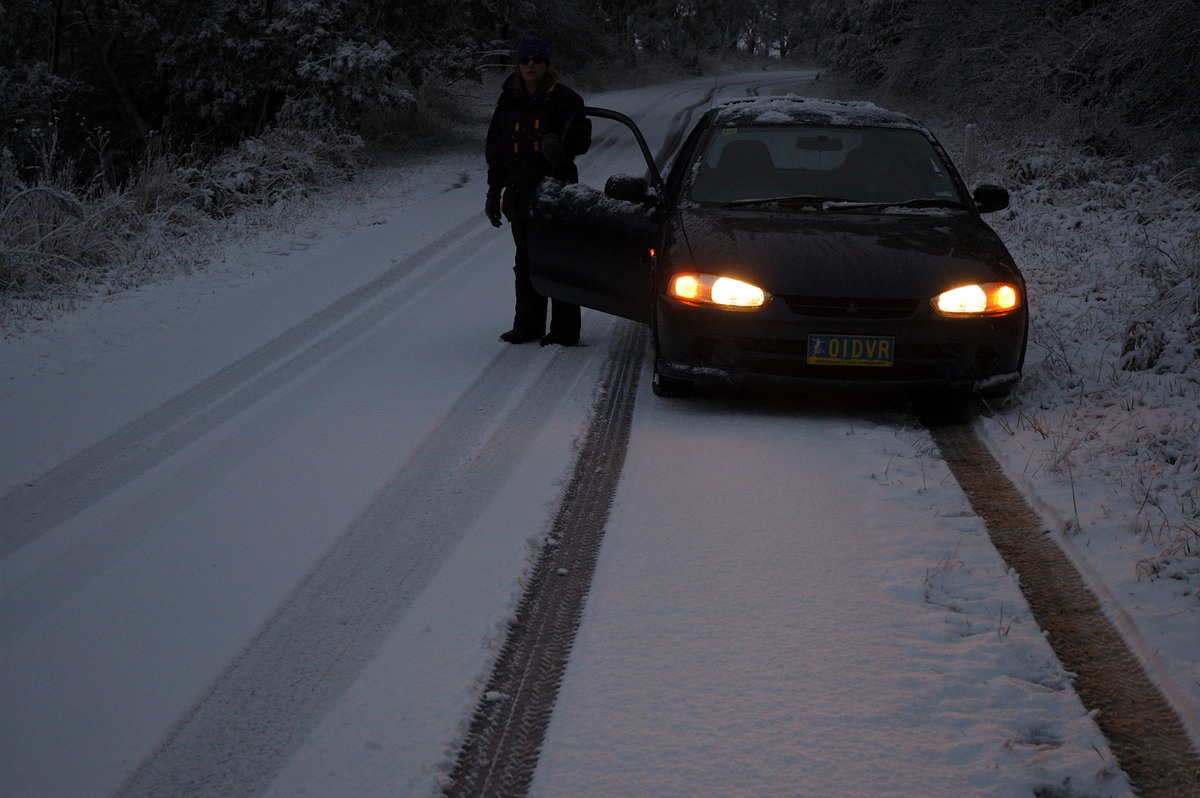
795, 240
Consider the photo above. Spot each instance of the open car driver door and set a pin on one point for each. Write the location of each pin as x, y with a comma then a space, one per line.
593, 248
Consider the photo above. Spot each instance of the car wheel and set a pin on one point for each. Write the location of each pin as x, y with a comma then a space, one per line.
670, 387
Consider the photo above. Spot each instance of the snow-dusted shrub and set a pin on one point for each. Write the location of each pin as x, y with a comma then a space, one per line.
283, 163
51, 238
343, 82
57, 241
169, 189
439, 113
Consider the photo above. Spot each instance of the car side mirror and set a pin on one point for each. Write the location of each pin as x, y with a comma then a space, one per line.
989, 198
628, 188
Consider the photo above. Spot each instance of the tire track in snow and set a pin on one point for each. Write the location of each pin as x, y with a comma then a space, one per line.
499, 754
76, 484
1142, 728
258, 712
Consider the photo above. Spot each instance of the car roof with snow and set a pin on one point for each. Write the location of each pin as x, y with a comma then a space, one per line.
793, 109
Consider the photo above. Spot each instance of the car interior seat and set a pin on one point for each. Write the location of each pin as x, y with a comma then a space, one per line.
873, 172
746, 158
743, 166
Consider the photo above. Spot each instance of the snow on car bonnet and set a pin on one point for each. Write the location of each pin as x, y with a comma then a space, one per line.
791, 108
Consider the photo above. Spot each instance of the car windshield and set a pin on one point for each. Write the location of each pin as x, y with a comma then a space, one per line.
822, 167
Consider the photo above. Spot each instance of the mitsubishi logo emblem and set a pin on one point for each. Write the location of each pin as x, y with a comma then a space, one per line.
852, 309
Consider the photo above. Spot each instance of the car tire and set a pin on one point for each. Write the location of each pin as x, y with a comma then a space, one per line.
670, 387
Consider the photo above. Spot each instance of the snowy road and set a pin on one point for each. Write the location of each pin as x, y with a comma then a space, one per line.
262, 530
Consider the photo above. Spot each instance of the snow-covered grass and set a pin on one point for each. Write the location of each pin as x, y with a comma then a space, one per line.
1111, 394
61, 242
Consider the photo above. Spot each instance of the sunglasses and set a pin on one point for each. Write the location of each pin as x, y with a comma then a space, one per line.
532, 59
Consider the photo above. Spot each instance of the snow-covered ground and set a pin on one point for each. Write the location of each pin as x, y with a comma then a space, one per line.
790, 599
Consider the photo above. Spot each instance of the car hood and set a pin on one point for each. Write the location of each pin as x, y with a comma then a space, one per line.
845, 253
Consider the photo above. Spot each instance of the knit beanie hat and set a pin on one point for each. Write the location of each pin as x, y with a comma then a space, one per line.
532, 45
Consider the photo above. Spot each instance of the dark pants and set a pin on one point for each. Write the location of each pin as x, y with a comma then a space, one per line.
530, 314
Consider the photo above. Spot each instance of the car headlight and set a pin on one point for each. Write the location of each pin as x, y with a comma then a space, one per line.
722, 292
986, 299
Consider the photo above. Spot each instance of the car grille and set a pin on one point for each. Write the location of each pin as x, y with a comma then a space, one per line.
851, 308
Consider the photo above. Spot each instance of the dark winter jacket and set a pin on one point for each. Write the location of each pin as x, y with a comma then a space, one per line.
514, 158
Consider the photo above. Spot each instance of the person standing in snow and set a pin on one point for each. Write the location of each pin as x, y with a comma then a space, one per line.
526, 142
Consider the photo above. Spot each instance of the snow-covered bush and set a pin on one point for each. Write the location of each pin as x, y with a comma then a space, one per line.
281, 164
50, 237
58, 241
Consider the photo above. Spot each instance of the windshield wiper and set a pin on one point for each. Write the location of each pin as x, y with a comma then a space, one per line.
799, 199
924, 202
841, 203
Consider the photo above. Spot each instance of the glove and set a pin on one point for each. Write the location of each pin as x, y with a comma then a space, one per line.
552, 150
492, 206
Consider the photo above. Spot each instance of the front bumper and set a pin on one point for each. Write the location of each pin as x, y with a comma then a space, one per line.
705, 345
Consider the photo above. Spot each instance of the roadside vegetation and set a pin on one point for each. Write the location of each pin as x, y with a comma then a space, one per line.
1111, 249
131, 132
